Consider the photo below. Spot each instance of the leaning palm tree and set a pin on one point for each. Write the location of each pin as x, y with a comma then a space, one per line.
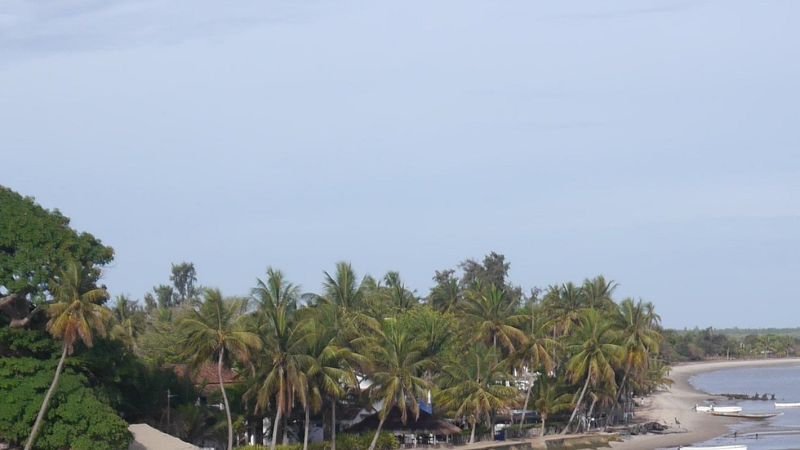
218, 330
473, 387
594, 353
77, 312
397, 361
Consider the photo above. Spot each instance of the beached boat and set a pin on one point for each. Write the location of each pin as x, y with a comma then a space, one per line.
787, 405
722, 409
718, 447
756, 416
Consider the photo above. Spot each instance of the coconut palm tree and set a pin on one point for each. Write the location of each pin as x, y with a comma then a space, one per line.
473, 386
549, 399
218, 329
492, 314
282, 364
129, 322
599, 293
639, 338
329, 373
77, 313
563, 304
594, 352
536, 352
397, 361
446, 294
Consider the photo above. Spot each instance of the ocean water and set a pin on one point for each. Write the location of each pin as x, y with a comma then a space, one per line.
773, 434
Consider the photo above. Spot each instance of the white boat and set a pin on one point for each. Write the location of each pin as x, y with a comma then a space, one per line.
722, 409
718, 447
787, 405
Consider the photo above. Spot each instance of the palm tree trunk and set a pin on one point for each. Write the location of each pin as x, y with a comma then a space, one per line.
275, 428
333, 425
285, 437
544, 419
472, 434
377, 434
619, 394
225, 399
308, 419
525, 406
577, 405
591, 411
37, 425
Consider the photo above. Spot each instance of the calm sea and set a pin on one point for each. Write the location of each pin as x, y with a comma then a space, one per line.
784, 382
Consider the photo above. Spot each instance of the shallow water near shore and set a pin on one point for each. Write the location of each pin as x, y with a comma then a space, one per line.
781, 432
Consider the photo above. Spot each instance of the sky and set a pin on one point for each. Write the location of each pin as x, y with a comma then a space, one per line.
654, 142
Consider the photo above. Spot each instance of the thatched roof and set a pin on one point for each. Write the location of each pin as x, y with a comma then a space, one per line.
426, 423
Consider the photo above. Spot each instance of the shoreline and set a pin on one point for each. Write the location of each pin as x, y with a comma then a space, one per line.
676, 403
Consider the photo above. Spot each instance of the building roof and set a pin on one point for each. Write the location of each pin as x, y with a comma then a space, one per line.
206, 375
146, 437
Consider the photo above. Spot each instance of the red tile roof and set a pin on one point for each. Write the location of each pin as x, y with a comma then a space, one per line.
206, 375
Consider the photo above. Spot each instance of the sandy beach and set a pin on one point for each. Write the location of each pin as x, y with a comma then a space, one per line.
677, 402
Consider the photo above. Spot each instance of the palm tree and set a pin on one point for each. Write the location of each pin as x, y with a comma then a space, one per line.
397, 360
639, 338
399, 297
536, 352
329, 373
129, 322
549, 399
446, 294
599, 292
595, 350
76, 313
218, 330
564, 305
493, 314
474, 388
284, 360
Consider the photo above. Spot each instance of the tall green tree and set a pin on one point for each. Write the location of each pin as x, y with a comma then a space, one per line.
536, 352
35, 244
473, 386
281, 371
77, 313
218, 329
639, 337
329, 372
493, 315
397, 361
594, 351
549, 399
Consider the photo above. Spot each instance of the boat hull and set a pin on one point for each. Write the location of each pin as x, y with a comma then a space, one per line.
787, 405
718, 447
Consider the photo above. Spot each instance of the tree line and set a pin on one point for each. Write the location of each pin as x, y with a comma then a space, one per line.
476, 345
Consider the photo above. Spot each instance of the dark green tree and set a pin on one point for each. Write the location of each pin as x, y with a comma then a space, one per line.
34, 244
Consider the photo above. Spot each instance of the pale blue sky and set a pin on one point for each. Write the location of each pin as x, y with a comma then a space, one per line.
655, 142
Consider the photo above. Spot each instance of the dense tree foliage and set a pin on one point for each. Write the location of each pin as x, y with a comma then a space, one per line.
34, 245
472, 350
